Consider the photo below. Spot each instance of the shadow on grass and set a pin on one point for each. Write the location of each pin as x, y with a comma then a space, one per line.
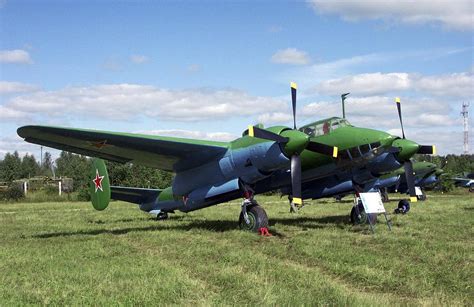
340, 221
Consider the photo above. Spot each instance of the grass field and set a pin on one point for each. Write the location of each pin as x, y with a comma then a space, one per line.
67, 253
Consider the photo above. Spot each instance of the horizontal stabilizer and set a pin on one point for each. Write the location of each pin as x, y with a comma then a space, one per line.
134, 195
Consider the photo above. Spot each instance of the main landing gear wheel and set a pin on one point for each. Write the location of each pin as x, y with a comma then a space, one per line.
162, 216
384, 196
358, 216
421, 197
257, 218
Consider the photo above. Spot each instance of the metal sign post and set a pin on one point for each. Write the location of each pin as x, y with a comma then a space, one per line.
373, 204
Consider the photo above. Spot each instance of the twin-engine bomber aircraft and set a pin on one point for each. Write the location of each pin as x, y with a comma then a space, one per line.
208, 173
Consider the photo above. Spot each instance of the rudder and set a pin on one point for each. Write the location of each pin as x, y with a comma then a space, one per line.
99, 185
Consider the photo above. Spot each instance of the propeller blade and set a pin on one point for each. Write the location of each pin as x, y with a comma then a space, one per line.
399, 107
427, 150
266, 135
296, 179
322, 149
293, 102
408, 166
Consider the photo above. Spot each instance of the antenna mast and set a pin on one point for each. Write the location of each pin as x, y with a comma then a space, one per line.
465, 115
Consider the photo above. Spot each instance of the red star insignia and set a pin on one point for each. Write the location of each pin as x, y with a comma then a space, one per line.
99, 144
98, 181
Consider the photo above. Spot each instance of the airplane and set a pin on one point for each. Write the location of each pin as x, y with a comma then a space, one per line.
208, 173
425, 173
466, 181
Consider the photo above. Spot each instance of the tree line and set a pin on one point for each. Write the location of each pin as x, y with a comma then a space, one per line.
77, 167
451, 164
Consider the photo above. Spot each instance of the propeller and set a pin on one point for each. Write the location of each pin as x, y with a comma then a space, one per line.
399, 108
408, 149
293, 142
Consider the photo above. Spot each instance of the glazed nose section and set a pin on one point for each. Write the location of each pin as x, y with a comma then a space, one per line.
407, 148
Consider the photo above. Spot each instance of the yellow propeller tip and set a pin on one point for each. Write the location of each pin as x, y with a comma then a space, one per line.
397, 100
297, 201
334, 152
293, 85
251, 132
413, 199
434, 150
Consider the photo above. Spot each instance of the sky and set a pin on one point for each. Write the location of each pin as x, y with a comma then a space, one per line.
208, 69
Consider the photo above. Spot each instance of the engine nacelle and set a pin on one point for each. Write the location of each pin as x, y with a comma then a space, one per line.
384, 163
249, 164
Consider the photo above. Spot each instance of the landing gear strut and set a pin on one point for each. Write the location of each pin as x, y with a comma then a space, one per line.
252, 217
384, 195
294, 208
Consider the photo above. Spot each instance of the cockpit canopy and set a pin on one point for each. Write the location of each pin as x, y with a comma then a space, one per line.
324, 126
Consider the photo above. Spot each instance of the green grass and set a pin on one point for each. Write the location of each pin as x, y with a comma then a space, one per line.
67, 253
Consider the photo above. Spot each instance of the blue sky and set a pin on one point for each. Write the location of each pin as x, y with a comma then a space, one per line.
207, 69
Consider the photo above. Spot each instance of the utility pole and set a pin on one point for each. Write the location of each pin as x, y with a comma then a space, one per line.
41, 158
343, 98
465, 115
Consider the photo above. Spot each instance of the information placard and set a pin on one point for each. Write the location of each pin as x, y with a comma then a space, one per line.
372, 202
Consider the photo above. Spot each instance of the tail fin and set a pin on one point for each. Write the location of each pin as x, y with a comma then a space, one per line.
99, 185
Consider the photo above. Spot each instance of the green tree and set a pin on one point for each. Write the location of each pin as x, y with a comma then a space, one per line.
29, 166
74, 166
134, 175
47, 164
10, 168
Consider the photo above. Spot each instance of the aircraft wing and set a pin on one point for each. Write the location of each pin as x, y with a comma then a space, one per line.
166, 153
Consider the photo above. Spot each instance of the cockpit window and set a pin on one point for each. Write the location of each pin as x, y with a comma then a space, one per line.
324, 127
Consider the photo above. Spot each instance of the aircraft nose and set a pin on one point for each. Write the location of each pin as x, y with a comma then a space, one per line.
407, 148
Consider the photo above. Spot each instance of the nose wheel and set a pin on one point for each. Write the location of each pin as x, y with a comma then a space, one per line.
359, 216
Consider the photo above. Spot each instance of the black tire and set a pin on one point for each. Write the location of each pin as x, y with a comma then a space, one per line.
162, 216
404, 206
257, 216
358, 216
421, 197
385, 197
471, 187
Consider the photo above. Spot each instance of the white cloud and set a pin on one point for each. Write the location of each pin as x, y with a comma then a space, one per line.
16, 56
275, 118
335, 69
366, 84
10, 144
8, 113
455, 84
308, 75
188, 134
126, 101
139, 59
8, 87
275, 29
112, 64
193, 68
457, 15
291, 56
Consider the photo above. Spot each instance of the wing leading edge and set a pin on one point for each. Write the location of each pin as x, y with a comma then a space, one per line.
166, 153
